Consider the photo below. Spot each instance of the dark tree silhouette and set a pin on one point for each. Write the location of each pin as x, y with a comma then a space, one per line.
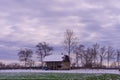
102, 55
110, 55
69, 41
118, 57
95, 52
25, 56
43, 49
79, 52
88, 57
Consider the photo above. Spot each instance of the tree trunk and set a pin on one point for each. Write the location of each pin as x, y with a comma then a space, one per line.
41, 61
108, 62
101, 61
77, 59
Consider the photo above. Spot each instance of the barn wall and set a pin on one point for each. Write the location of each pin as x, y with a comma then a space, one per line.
58, 65
54, 65
65, 65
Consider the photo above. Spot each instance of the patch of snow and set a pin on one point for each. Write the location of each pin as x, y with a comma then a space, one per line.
90, 71
52, 58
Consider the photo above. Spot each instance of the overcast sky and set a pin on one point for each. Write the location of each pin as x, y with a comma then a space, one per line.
24, 23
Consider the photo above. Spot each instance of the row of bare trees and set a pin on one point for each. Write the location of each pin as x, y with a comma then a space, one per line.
94, 56
42, 50
25, 56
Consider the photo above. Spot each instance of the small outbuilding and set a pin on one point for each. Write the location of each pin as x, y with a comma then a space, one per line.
57, 62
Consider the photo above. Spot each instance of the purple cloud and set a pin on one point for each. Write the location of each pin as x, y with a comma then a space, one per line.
24, 23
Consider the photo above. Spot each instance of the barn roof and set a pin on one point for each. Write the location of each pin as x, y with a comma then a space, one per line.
53, 58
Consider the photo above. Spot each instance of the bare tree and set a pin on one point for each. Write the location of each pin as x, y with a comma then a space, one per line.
43, 49
118, 57
88, 57
95, 52
102, 54
25, 56
110, 54
69, 41
79, 52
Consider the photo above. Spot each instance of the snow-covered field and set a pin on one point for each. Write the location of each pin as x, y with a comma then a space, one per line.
65, 71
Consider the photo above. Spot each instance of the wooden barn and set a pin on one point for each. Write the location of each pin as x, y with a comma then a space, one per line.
57, 62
